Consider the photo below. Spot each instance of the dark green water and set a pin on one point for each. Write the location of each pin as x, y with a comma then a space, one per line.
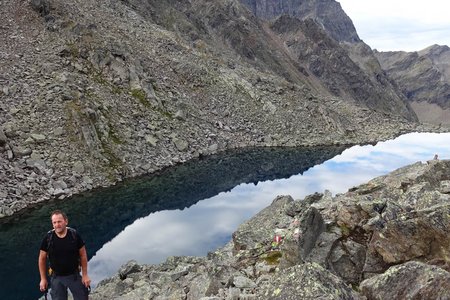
101, 214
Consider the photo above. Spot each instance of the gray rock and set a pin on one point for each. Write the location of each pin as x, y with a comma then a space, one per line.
87, 180
152, 140
306, 281
38, 138
243, 282
213, 148
311, 226
58, 131
180, 115
129, 268
411, 280
37, 163
260, 229
20, 151
9, 154
41, 6
177, 275
59, 184
3, 138
180, 144
445, 187
58, 192
10, 129
78, 167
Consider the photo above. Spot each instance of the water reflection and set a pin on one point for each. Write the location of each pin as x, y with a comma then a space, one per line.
209, 223
103, 214
148, 219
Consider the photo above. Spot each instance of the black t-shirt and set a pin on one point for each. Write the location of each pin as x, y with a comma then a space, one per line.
64, 252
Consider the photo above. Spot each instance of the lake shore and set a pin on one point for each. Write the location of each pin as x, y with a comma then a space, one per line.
376, 233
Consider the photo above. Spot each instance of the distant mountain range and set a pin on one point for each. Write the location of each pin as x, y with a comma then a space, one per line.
423, 77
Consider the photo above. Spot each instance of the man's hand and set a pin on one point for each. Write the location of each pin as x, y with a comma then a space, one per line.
43, 285
86, 281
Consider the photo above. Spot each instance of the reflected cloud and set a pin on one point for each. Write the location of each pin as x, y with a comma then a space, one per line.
208, 224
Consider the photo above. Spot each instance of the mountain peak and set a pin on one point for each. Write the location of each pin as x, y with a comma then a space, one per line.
327, 13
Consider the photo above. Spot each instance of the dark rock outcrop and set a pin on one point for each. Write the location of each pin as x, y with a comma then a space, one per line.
386, 239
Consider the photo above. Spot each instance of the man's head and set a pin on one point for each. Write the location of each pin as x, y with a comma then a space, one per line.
59, 221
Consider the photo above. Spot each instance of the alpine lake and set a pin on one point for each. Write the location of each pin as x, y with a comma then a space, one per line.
193, 208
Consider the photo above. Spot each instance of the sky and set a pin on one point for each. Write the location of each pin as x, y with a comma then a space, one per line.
394, 25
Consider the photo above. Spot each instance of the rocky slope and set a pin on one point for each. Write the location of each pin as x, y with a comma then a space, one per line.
322, 40
424, 77
386, 239
92, 93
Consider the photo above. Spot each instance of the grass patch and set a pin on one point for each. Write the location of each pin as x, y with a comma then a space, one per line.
344, 230
273, 257
141, 96
114, 137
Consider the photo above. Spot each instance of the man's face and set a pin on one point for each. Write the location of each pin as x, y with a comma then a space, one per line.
59, 224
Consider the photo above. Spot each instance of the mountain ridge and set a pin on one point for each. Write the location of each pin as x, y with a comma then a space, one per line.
424, 78
96, 93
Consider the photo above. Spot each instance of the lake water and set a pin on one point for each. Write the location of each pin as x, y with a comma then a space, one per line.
195, 207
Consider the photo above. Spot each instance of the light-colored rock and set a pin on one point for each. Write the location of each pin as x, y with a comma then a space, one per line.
78, 167
38, 138
411, 280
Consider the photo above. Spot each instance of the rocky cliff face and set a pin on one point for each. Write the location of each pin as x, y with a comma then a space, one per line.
424, 77
386, 239
322, 40
92, 93
328, 14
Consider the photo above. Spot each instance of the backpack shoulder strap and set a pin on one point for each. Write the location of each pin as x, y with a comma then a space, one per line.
73, 232
49, 239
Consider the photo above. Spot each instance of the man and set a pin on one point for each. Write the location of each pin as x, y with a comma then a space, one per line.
67, 252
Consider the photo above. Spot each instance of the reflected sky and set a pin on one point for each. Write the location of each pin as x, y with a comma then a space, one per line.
209, 224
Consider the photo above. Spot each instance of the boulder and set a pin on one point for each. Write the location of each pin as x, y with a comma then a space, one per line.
41, 6
306, 281
411, 280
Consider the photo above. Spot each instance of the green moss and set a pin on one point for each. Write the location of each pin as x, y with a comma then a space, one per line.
73, 50
273, 257
114, 137
73, 109
114, 162
165, 113
345, 231
141, 96
99, 78
355, 287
